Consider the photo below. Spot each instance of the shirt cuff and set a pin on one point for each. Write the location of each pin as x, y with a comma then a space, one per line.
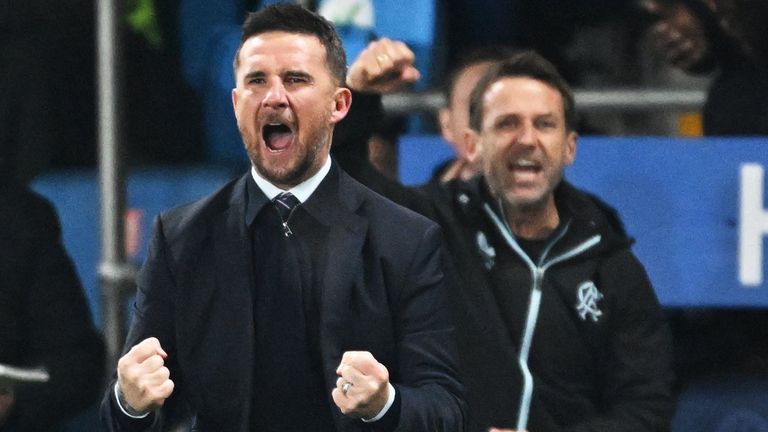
387, 406
132, 414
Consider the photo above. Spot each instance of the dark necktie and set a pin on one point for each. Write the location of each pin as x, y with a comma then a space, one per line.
285, 203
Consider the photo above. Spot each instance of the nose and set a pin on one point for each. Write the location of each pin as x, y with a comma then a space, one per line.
527, 135
275, 97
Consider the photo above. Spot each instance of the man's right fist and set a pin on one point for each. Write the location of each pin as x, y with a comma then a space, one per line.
143, 378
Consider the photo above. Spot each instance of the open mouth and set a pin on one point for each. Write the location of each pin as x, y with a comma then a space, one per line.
277, 136
523, 166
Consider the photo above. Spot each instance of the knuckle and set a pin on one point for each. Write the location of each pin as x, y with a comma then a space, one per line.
373, 386
155, 362
155, 396
123, 362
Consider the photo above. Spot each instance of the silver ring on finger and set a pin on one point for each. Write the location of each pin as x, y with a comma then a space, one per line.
345, 387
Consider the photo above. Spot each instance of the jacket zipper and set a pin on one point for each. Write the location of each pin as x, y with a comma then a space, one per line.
534, 304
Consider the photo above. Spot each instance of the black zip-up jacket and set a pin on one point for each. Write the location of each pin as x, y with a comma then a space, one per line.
573, 341
611, 375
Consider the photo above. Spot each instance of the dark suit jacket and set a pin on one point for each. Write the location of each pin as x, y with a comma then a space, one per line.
382, 292
44, 316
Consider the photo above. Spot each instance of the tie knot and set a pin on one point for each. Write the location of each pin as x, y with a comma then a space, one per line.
285, 202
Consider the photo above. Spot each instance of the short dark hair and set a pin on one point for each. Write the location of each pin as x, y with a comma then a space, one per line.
472, 57
293, 18
527, 64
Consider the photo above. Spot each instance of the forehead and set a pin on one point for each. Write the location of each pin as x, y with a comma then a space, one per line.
283, 50
522, 95
466, 79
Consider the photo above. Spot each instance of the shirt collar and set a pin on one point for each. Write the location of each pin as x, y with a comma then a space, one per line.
260, 191
301, 191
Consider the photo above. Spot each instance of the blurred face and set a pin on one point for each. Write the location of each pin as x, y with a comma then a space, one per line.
286, 103
454, 119
523, 145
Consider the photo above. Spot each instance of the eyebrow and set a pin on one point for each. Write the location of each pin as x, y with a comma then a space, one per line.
298, 74
254, 74
290, 73
549, 114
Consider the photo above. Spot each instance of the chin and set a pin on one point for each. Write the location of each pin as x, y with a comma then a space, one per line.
525, 201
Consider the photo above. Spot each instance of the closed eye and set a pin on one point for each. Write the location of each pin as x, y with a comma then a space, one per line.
546, 124
297, 78
255, 78
507, 122
548, 121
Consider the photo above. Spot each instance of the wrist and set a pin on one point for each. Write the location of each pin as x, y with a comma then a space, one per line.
125, 407
387, 405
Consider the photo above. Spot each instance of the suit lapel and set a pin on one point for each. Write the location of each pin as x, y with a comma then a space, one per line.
334, 204
220, 308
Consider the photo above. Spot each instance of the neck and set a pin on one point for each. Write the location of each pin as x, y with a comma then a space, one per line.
532, 222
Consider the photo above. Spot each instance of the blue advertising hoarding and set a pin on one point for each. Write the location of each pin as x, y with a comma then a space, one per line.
681, 199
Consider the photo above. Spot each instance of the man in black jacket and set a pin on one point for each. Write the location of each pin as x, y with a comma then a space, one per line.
559, 327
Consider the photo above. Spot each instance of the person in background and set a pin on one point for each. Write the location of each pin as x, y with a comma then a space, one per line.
44, 318
386, 66
293, 298
724, 37
454, 116
559, 327
565, 329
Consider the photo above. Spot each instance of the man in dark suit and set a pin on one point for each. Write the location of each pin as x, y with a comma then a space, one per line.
293, 298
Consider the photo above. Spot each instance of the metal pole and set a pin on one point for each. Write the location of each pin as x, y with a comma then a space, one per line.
587, 100
115, 274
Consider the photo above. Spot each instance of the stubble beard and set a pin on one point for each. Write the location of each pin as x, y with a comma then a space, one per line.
514, 203
296, 171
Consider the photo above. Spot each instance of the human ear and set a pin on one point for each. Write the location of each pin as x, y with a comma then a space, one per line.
472, 144
342, 101
444, 117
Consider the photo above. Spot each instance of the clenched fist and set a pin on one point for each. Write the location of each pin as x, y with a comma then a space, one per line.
362, 388
384, 66
143, 378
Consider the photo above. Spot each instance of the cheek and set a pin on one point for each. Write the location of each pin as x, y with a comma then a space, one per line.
492, 160
494, 149
243, 110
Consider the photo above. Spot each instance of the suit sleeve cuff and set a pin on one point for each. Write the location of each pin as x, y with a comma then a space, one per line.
387, 406
127, 410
